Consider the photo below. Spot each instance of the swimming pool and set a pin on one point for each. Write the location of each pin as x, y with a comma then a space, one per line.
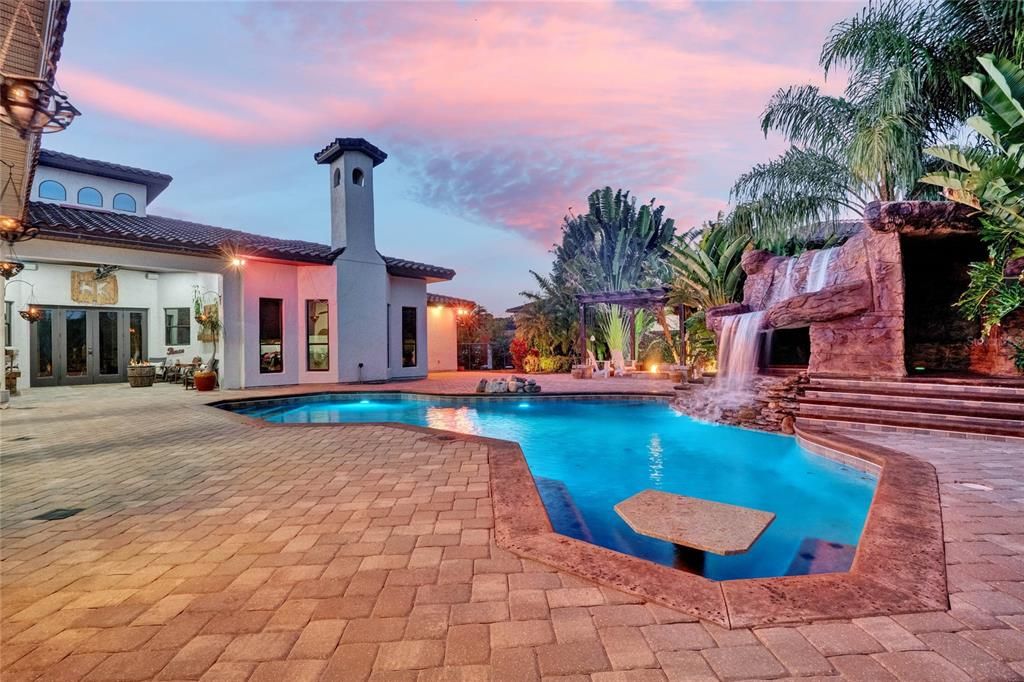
588, 455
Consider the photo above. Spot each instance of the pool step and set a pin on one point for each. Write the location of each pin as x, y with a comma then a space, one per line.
993, 409
996, 418
1008, 391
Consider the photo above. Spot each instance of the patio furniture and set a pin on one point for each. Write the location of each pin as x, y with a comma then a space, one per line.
172, 373
158, 367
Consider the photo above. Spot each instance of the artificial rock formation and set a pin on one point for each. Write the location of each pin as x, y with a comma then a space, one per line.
831, 303
770, 405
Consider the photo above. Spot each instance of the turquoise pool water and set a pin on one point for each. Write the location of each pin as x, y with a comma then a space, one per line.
587, 456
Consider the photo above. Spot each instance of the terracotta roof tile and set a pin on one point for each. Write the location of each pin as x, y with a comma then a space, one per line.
157, 233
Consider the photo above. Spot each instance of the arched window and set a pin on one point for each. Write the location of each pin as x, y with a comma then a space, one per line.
51, 189
337, 177
124, 202
88, 196
357, 177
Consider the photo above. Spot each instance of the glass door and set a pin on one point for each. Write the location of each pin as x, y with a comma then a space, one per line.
110, 364
77, 348
86, 345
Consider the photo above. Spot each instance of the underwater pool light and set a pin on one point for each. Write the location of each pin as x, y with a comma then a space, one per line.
524, 404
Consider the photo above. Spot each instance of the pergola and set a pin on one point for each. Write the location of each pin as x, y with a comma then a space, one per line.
632, 299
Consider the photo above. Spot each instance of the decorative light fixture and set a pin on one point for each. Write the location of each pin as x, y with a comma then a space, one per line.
237, 262
10, 268
32, 106
12, 228
31, 314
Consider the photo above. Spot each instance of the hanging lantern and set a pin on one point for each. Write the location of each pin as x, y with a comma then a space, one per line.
14, 230
10, 268
31, 105
31, 314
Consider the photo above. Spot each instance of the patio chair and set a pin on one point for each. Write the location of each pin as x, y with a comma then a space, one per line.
158, 364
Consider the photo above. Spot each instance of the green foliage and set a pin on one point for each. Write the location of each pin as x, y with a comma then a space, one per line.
990, 179
531, 364
904, 93
990, 297
701, 346
555, 364
1018, 355
615, 245
705, 266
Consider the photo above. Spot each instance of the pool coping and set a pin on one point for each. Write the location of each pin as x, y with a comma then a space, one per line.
899, 566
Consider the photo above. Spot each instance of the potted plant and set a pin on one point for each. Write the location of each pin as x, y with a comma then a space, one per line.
207, 315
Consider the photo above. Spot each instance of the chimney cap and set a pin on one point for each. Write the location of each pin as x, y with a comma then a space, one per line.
340, 145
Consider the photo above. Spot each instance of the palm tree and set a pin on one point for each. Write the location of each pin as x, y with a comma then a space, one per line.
705, 266
903, 94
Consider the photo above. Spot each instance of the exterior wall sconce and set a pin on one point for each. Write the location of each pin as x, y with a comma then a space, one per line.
32, 106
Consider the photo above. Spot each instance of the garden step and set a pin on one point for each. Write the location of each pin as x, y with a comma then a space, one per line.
925, 420
931, 389
977, 408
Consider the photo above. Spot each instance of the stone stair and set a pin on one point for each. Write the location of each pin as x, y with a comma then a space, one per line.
963, 406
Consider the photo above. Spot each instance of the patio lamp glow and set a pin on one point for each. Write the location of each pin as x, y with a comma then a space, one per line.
31, 314
33, 106
14, 230
10, 268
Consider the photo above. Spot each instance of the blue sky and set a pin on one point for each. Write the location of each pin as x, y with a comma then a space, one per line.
497, 117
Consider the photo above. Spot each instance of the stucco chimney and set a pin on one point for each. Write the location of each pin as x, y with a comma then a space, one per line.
351, 161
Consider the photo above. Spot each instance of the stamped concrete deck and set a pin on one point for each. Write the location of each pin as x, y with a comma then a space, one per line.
208, 548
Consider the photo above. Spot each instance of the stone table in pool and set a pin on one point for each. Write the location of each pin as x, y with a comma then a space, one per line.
692, 522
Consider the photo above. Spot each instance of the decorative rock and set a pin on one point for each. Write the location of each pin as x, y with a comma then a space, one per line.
788, 425
921, 218
831, 303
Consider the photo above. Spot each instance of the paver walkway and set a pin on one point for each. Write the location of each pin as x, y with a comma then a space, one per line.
211, 549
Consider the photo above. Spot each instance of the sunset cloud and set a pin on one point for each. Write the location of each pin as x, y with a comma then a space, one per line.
503, 113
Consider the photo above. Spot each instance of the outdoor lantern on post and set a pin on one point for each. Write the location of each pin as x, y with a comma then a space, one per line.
33, 106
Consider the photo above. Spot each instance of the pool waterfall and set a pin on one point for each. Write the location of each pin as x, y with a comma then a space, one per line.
817, 276
738, 350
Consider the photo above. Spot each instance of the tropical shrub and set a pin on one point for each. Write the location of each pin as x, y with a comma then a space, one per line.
701, 346
555, 364
705, 266
519, 350
531, 364
990, 179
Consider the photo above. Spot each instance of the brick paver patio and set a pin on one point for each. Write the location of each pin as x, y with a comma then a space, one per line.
212, 549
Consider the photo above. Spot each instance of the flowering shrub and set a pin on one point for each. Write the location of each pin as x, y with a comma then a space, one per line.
556, 364
518, 349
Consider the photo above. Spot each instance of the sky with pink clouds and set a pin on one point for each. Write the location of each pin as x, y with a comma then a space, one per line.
497, 118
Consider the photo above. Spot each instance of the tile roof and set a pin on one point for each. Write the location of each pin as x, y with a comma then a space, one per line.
157, 233
155, 182
340, 145
441, 299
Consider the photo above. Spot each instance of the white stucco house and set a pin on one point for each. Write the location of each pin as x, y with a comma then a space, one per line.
116, 284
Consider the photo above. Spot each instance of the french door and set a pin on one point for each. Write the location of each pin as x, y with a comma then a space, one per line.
86, 345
